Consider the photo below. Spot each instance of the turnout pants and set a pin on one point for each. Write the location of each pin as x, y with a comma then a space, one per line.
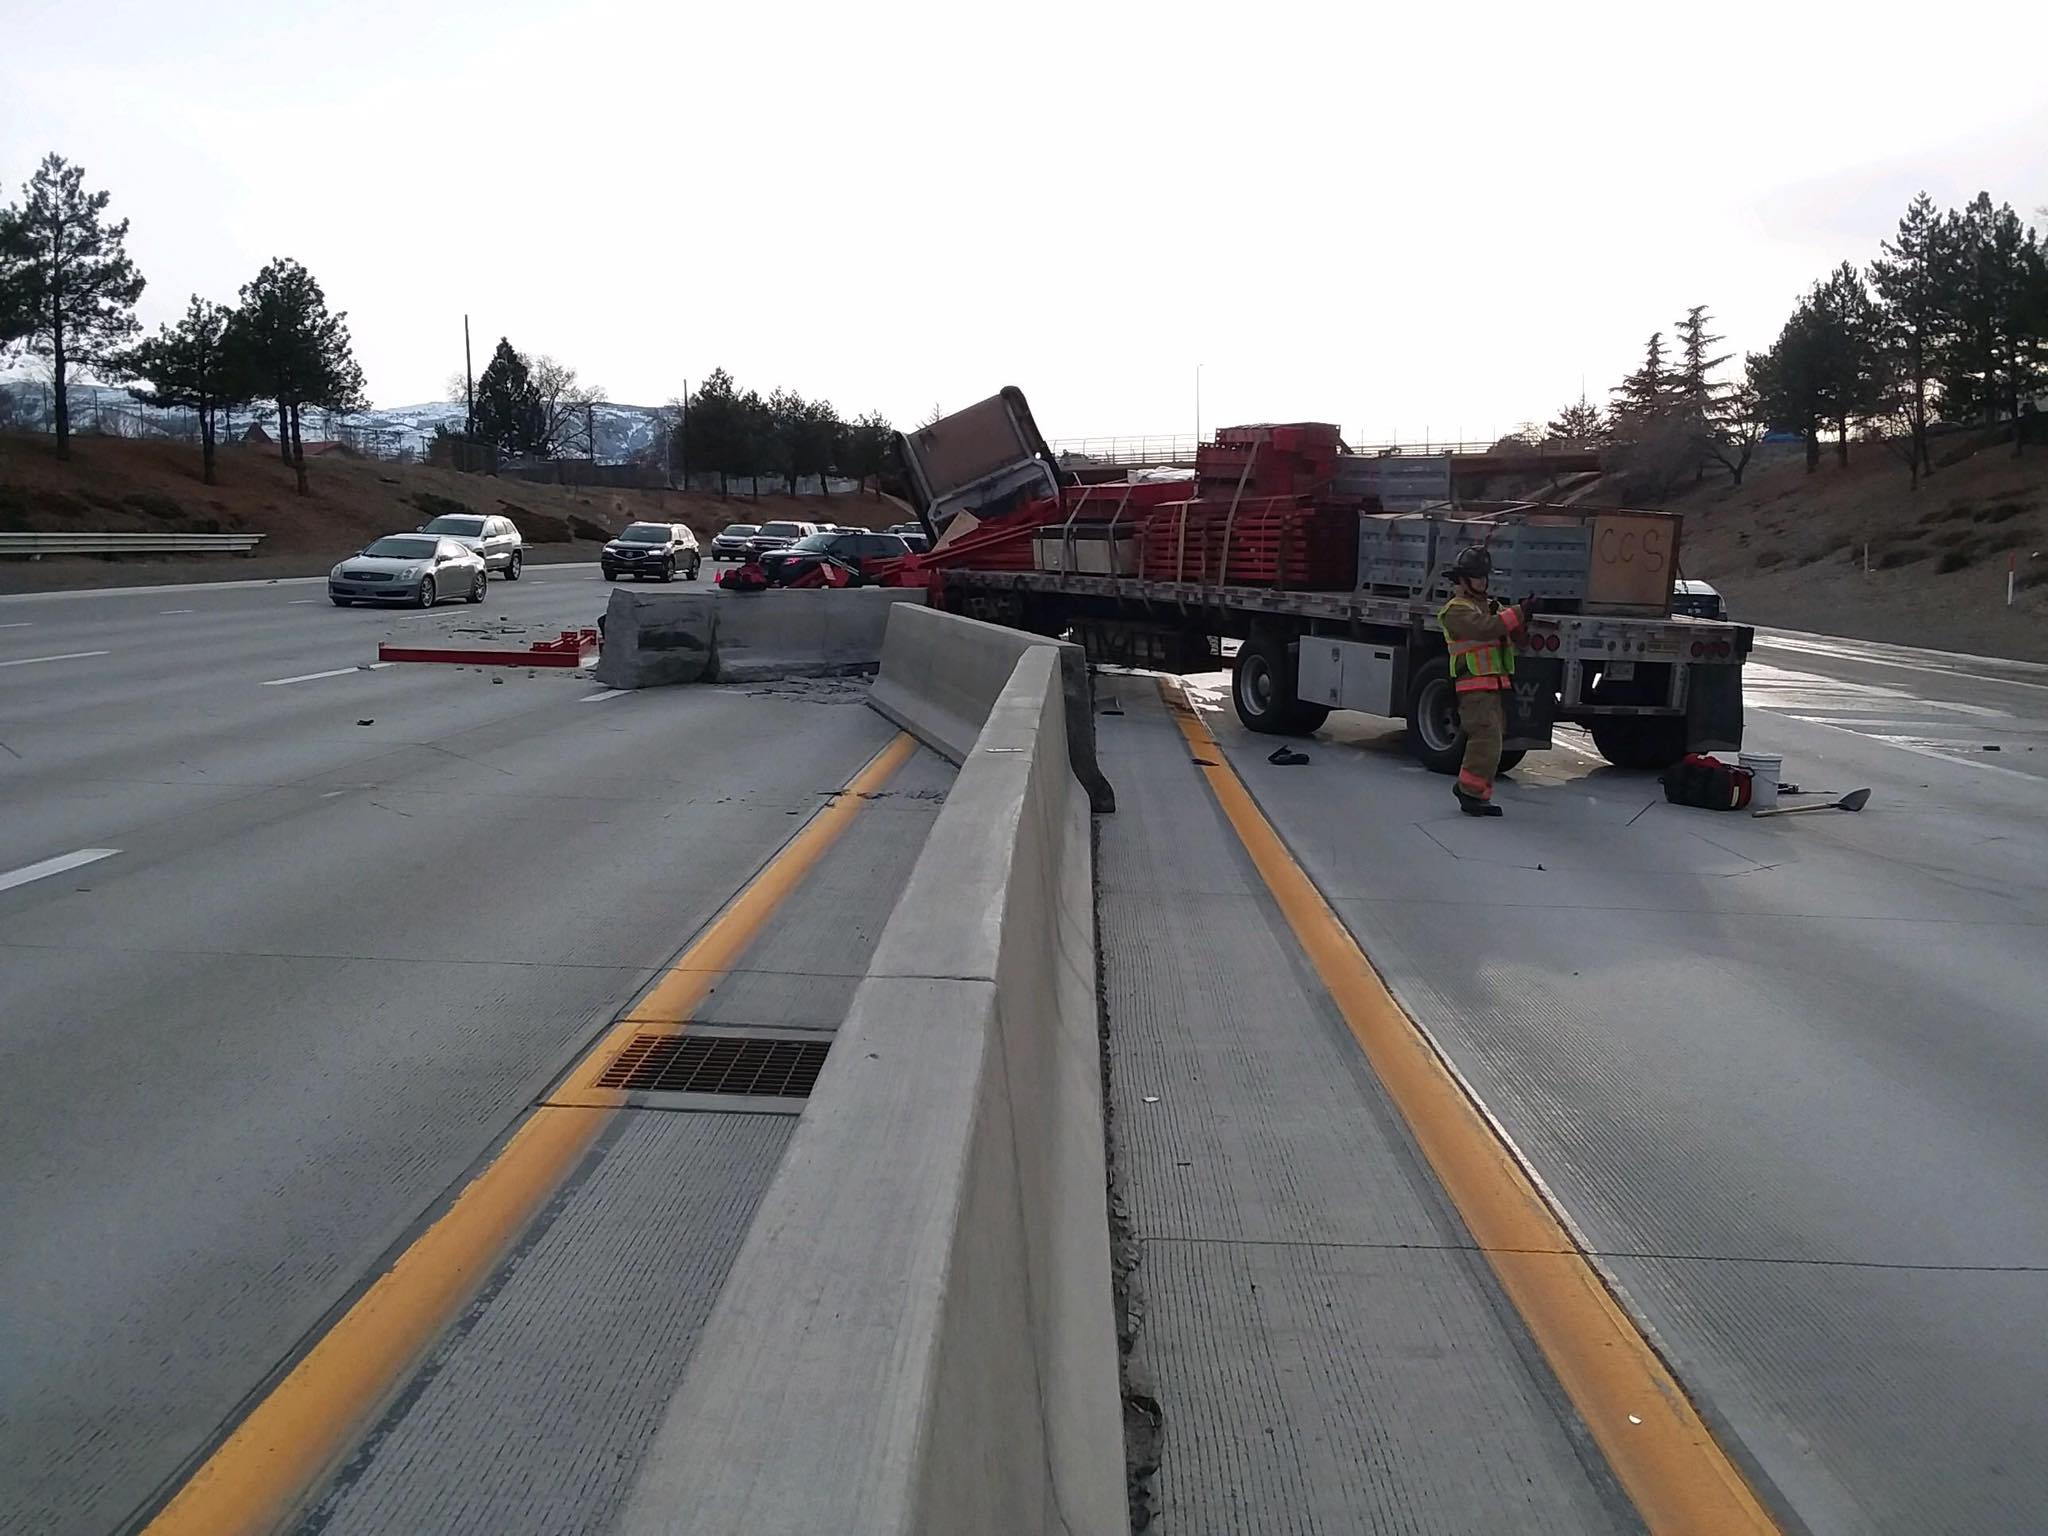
1485, 720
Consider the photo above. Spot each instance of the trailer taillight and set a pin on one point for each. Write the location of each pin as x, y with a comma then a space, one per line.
1699, 649
1553, 642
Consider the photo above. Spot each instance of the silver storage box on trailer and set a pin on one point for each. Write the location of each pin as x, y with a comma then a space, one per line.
1348, 674
1086, 549
1408, 553
1399, 482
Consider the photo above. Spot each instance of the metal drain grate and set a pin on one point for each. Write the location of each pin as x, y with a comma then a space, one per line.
778, 1069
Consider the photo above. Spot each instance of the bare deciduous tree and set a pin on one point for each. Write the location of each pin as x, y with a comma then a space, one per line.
564, 404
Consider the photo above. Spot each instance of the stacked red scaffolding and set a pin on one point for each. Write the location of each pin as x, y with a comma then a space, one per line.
1263, 515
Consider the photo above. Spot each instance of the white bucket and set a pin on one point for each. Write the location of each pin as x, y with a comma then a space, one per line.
1763, 788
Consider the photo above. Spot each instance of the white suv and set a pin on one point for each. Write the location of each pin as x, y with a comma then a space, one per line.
492, 537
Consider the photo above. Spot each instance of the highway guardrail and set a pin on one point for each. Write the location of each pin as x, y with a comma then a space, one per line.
35, 545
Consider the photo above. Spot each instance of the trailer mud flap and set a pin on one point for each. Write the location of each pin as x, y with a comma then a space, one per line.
1532, 704
1713, 710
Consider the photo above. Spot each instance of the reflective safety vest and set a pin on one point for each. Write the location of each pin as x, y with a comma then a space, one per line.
1477, 666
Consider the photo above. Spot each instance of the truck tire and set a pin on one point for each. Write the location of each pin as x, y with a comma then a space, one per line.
1639, 741
1262, 685
1436, 739
1635, 741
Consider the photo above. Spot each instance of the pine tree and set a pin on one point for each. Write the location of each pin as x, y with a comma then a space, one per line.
712, 434
785, 435
509, 409
1996, 350
1910, 281
1644, 395
1694, 384
16, 318
1695, 393
188, 366
67, 287
818, 432
1845, 341
753, 441
1791, 379
1581, 424
865, 447
293, 351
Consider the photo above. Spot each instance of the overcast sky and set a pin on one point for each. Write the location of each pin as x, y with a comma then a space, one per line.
1395, 218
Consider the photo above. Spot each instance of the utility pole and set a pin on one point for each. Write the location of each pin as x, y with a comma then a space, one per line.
590, 430
683, 420
1198, 405
468, 383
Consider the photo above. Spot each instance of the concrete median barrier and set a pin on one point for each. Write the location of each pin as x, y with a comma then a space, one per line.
941, 674
806, 633
917, 1336
654, 638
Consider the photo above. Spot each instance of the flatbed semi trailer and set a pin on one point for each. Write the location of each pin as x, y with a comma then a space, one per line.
1041, 554
1647, 690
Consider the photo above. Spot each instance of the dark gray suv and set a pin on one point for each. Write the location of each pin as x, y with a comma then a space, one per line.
652, 550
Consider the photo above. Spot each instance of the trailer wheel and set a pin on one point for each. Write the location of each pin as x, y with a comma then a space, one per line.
1642, 741
1435, 738
1635, 741
1262, 686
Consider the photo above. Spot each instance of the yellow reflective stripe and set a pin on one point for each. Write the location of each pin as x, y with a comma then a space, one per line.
1486, 659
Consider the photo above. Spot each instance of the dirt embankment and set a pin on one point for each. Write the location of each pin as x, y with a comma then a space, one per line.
1788, 549
112, 485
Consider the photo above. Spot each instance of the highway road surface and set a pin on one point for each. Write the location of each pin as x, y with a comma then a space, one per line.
288, 944
1786, 1076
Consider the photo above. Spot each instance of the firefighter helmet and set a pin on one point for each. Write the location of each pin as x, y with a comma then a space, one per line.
1472, 564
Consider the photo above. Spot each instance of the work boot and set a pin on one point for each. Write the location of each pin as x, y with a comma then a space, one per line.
1472, 805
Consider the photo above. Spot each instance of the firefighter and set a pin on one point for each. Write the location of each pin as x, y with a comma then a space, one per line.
1480, 635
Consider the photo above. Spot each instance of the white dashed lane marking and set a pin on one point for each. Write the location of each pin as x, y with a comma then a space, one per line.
314, 677
29, 661
56, 866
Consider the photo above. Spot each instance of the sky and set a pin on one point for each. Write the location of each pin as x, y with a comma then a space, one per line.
1405, 220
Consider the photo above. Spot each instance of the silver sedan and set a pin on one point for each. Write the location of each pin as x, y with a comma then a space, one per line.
414, 568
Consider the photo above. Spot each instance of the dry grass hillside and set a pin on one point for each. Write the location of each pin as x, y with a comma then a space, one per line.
115, 485
1787, 548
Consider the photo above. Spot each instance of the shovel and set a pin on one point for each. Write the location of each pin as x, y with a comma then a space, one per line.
1855, 800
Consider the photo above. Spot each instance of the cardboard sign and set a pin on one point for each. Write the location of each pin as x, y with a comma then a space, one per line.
1634, 558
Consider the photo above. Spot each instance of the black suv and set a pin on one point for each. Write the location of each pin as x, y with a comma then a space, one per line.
849, 546
658, 550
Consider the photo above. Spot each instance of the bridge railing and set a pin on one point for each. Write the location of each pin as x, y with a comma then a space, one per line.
1169, 448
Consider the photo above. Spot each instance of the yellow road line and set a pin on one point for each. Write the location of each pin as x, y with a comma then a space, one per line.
1679, 1477
294, 1437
